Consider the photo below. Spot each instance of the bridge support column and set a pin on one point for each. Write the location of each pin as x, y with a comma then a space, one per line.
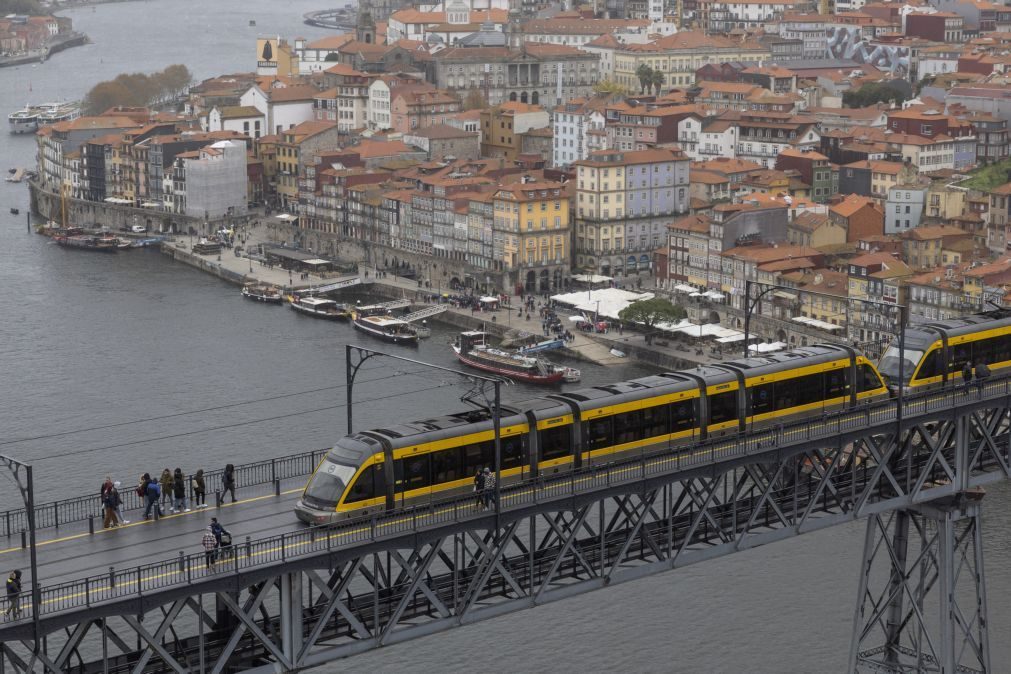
292, 604
909, 616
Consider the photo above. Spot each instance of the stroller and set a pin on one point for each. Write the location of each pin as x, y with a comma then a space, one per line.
225, 550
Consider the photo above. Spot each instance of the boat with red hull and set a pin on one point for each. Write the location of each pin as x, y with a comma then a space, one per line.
472, 349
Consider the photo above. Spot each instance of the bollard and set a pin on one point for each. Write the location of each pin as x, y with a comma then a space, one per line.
249, 547
24, 539
91, 524
112, 577
277, 487
217, 498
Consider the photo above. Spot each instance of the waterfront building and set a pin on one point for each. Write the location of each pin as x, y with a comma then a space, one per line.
294, 149
246, 120
531, 228
63, 138
624, 201
209, 182
579, 129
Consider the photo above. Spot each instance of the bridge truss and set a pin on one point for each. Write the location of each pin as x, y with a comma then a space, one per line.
920, 489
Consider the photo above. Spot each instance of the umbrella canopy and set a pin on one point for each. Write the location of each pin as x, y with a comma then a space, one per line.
579, 319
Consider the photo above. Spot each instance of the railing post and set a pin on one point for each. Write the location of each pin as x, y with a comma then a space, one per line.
284, 552
273, 470
91, 524
182, 562
140, 580
217, 498
24, 539
7, 528
87, 591
277, 487
249, 548
56, 515
189, 570
112, 577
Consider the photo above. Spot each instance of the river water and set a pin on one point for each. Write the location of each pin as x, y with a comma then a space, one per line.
89, 342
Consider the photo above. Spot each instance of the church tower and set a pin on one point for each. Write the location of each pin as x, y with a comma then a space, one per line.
365, 30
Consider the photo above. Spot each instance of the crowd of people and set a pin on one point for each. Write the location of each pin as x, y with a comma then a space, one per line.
167, 492
484, 488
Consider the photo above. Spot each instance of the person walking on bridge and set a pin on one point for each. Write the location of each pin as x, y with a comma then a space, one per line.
151, 494
982, 374
110, 503
228, 482
967, 375
179, 492
199, 490
489, 488
479, 487
165, 483
14, 594
210, 544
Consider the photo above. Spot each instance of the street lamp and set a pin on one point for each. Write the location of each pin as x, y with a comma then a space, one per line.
27, 488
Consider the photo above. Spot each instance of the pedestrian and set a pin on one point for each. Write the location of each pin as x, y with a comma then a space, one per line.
479, 487
110, 502
151, 494
489, 487
228, 482
967, 374
199, 490
14, 594
165, 483
119, 502
179, 492
210, 544
106, 486
220, 535
982, 374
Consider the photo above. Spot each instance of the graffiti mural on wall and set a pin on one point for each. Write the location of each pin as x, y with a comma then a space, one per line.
845, 42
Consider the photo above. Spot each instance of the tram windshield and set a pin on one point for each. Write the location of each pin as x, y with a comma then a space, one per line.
889, 365
329, 482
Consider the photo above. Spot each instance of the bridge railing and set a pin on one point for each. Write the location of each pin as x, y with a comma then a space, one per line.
85, 507
658, 460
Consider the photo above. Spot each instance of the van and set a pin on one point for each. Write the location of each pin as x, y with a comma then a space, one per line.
138, 229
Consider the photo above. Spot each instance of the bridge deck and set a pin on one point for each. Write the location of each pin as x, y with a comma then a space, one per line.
266, 515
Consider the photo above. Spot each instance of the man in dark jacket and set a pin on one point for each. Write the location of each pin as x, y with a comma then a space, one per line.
967, 375
151, 494
982, 374
111, 504
14, 594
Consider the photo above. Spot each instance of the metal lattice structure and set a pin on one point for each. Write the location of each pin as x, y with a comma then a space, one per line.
327, 594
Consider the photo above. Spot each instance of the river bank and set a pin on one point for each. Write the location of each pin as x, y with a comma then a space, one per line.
61, 43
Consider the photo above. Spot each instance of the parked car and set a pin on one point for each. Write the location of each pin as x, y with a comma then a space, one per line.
138, 229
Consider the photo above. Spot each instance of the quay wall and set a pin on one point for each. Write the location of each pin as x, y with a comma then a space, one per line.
203, 263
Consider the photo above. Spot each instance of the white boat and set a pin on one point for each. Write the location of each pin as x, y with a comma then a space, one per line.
25, 120
51, 113
385, 326
318, 307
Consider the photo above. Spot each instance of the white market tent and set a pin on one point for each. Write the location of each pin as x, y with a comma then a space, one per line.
815, 323
605, 302
767, 348
684, 288
591, 278
713, 294
286, 216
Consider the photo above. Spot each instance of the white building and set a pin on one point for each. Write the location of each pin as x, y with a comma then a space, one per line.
449, 25
717, 138
574, 126
937, 60
245, 120
209, 182
378, 108
904, 208
312, 56
283, 107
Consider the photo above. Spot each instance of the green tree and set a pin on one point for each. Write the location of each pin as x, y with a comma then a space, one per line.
609, 87
871, 93
650, 313
645, 75
657, 79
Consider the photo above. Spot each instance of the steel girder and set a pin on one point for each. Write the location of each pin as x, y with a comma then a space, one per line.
348, 600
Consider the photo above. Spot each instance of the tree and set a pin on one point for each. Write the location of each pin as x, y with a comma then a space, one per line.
474, 100
657, 79
645, 75
137, 89
609, 87
871, 93
332, 56
103, 96
650, 313
176, 79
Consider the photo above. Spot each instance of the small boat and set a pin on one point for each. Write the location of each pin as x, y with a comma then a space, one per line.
15, 211
318, 307
543, 346
473, 349
252, 23
123, 244
25, 120
379, 322
98, 244
16, 175
262, 292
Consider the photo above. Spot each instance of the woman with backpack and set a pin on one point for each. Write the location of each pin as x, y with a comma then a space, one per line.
179, 492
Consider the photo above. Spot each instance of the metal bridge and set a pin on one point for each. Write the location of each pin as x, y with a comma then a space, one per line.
427, 312
286, 597
336, 285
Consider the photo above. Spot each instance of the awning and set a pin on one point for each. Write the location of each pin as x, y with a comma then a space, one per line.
316, 262
815, 323
731, 339
695, 294
489, 300
684, 288
286, 216
579, 319
767, 348
716, 295
150, 204
782, 294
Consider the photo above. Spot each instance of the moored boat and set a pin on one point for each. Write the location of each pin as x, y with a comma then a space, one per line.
379, 322
25, 120
98, 244
51, 113
262, 292
473, 349
318, 307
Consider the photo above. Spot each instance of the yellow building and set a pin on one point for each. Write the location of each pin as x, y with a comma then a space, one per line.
678, 56
531, 228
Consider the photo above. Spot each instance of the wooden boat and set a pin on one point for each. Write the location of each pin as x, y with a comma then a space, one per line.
262, 292
379, 322
98, 244
317, 307
473, 349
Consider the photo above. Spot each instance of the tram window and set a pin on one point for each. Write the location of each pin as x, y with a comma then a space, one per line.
627, 427
473, 459
723, 407
1002, 349
799, 391
762, 399
867, 379
960, 355
983, 351
379, 478
412, 472
654, 421
682, 416
447, 466
835, 383
362, 488
931, 366
555, 442
512, 452
598, 434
